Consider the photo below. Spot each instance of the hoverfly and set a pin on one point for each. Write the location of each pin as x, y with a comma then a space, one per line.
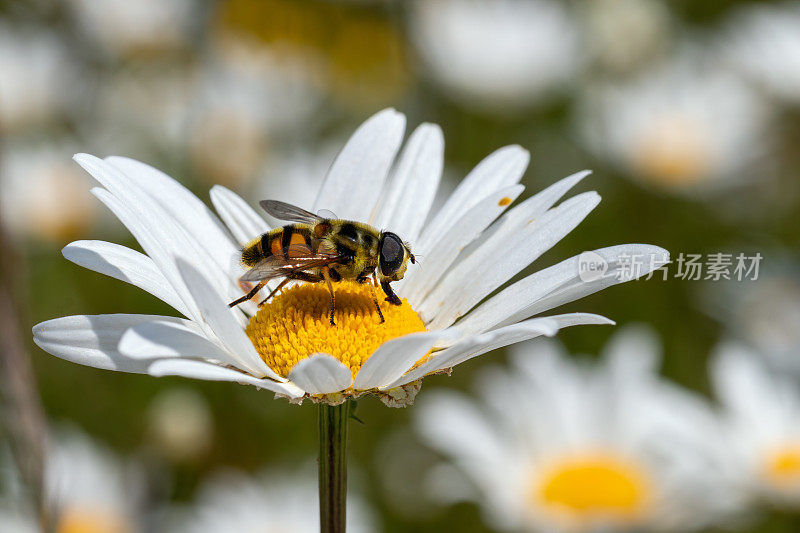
317, 249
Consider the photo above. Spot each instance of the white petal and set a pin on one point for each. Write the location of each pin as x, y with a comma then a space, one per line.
441, 255
171, 234
93, 340
154, 242
560, 284
501, 257
453, 425
207, 371
355, 180
321, 374
244, 223
412, 188
396, 356
125, 265
499, 169
218, 316
533, 207
479, 344
159, 339
186, 208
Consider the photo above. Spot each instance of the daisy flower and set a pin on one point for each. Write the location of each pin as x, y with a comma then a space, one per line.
248, 93
645, 24
666, 130
761, 410
499, 55
556, 444
180, 425
763, 313
763, 43
449, 312
88, 487
126, 29
44, 195
36, 76
272, 501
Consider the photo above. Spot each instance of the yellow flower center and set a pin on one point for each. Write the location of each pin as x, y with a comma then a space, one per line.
85, 520
295, 324
674, 151
783, 465
596, 486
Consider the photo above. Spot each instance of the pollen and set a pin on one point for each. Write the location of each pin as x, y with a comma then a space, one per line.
505, 200
593, 486
295, 324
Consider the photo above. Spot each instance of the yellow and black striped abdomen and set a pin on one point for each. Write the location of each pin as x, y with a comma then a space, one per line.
277, 241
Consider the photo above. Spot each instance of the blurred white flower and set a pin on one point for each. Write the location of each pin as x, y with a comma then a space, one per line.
500, 55
645, 25
44, 196
142, 108
762, 415
555, 445
272, 502
88, 488
763, 313
686, 126
123, 29
35, 77
250, 94
763, 42
180, 424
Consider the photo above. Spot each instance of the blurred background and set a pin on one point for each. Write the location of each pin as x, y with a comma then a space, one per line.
687, 112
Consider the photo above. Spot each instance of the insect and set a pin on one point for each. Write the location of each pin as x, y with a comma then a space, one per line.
316, 249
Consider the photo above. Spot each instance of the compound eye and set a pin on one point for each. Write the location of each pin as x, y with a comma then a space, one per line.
392, 253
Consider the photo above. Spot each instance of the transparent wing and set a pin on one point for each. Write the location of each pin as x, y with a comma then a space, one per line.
289, 212
299, 259
325, 213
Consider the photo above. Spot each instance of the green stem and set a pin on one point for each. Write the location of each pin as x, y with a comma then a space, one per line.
333, 466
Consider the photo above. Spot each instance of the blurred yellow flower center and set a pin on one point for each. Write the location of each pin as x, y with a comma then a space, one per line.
593, 486
783, 465
295, 324
674, 151
85, 520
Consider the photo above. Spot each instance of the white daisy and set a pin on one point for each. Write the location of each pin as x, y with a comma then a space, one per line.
126, 29
684, 125
272, 502
763, 42
763, 313
180, 424
87, 488
290, 347
762, 414
557, 445
35, 77
499, 55
44, 195
644, 23
248, 93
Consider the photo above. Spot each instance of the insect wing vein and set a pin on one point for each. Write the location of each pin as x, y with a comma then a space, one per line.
289, 212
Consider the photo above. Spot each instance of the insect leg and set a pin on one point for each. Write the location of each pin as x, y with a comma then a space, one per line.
327, 277
273, 291
391, 297
375, 296
249, 295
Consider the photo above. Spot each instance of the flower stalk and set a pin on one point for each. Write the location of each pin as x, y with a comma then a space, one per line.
333, 466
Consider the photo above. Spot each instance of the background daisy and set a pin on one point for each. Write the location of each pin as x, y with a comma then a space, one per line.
559, 445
